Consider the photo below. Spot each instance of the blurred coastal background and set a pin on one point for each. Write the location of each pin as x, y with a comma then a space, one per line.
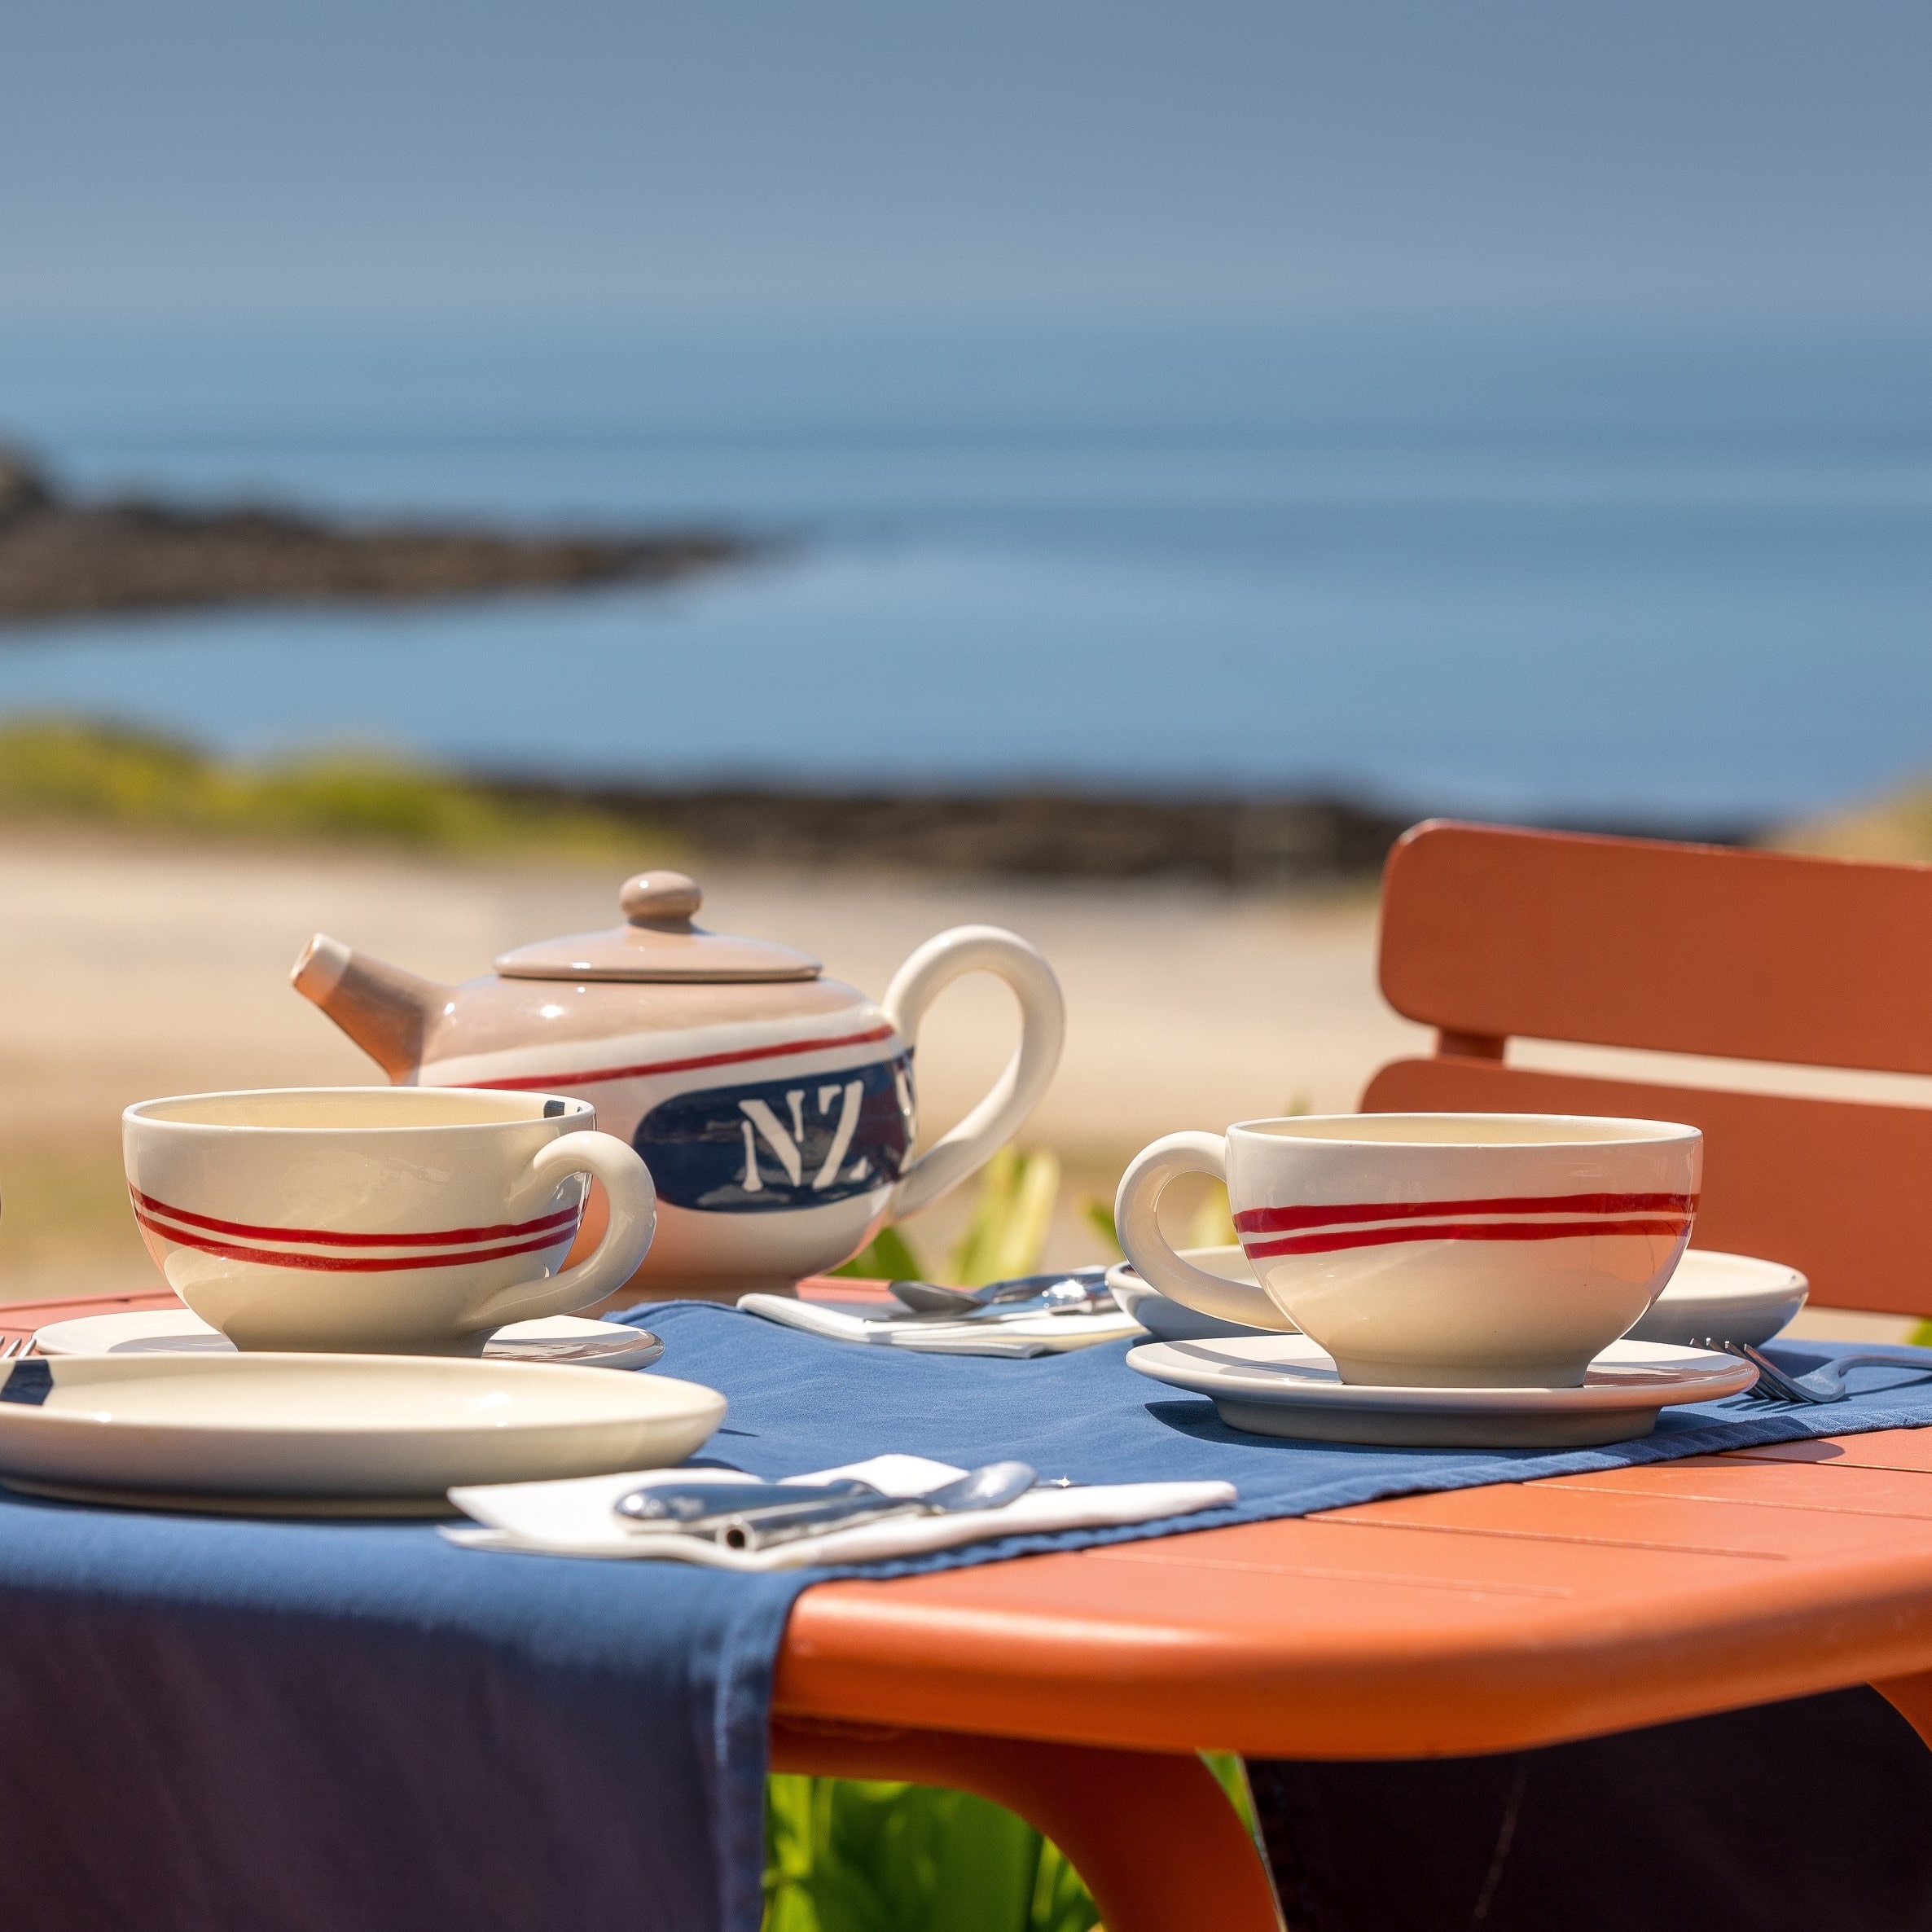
1110, 467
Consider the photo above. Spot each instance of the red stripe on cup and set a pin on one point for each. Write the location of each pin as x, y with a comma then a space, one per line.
544, 1083
355, 1264
1329, 1241
1276, 1220
318, 1237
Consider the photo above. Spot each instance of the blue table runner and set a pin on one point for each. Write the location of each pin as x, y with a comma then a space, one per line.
222, 1725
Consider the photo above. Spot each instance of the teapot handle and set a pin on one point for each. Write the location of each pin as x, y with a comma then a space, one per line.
1014, 1095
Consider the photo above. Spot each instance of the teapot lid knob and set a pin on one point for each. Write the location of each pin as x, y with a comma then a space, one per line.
658, 943
660, 898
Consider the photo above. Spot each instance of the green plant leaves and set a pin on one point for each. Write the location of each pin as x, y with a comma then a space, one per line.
1008, 1228
887, 1257
848, 1856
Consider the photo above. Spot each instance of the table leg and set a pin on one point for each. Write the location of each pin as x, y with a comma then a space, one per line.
1912, 1698
1151, 1834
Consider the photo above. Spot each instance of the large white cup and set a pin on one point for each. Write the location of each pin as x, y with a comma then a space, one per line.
1437, 1250
406, 1220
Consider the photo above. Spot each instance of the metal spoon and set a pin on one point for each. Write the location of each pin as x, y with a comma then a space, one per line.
1067, 1291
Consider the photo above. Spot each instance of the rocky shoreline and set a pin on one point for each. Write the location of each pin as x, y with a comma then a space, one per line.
59, 558
1245, 842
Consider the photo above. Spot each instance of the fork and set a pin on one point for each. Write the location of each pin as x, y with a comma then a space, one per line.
1823, 1385
12, 1345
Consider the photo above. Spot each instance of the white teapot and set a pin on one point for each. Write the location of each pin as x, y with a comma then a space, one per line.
773, 1106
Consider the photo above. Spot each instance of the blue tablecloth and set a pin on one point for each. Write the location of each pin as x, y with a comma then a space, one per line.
222, 1725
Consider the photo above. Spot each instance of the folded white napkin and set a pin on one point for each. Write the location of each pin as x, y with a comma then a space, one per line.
1023, 1334
578, 1517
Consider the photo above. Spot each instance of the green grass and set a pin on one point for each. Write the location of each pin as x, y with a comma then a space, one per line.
64, 771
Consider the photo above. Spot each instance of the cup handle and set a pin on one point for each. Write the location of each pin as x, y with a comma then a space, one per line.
1042, 1031
626, 1238
1139, 1226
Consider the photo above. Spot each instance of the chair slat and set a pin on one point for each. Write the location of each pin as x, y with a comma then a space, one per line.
1695, 949
1836, 1188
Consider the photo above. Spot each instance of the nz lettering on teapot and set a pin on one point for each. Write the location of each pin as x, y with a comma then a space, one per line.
781, 1144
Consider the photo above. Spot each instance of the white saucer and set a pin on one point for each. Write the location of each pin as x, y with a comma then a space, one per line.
1284, 1385
1728, 1297
285, 1434
177, 1331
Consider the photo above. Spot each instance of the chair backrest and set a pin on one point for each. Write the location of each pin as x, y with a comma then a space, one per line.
1489, 932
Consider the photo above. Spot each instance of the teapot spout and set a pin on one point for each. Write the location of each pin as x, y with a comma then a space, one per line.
385, 1011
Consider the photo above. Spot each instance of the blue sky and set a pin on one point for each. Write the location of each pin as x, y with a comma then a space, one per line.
769, 160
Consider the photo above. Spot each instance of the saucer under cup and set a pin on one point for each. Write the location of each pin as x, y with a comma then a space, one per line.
557, 1338
1437, 1249
1286, 1385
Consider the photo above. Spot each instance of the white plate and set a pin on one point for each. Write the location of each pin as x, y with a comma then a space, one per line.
181, 1331
1732, 1298
323, 1433
1284, 1385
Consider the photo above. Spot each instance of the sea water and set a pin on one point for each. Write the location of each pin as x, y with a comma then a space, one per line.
1675, 574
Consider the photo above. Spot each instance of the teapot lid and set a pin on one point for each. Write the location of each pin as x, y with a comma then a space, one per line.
659, 943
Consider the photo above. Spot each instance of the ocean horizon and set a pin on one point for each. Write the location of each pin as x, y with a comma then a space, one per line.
1666, 574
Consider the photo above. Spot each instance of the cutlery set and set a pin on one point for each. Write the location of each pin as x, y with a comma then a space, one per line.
1075, 1291
755, 1516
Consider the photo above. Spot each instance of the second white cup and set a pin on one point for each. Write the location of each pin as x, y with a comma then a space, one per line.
1439, 1251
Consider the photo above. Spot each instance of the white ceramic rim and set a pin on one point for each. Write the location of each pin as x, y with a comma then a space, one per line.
1626, 1131
696, 1396
1792, 1280
566, 1327
140, 1111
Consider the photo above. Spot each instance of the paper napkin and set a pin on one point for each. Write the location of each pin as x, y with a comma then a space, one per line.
1022, 1335
578, 1517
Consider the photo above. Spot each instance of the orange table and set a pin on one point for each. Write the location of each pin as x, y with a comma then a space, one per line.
1476, 1620
1076, 1687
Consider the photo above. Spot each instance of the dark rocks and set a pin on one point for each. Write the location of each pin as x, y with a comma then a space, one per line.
58, 559
23, 487
1232, 841
1258, 841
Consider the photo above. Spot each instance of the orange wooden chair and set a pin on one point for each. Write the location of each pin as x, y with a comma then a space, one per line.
1490, 935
